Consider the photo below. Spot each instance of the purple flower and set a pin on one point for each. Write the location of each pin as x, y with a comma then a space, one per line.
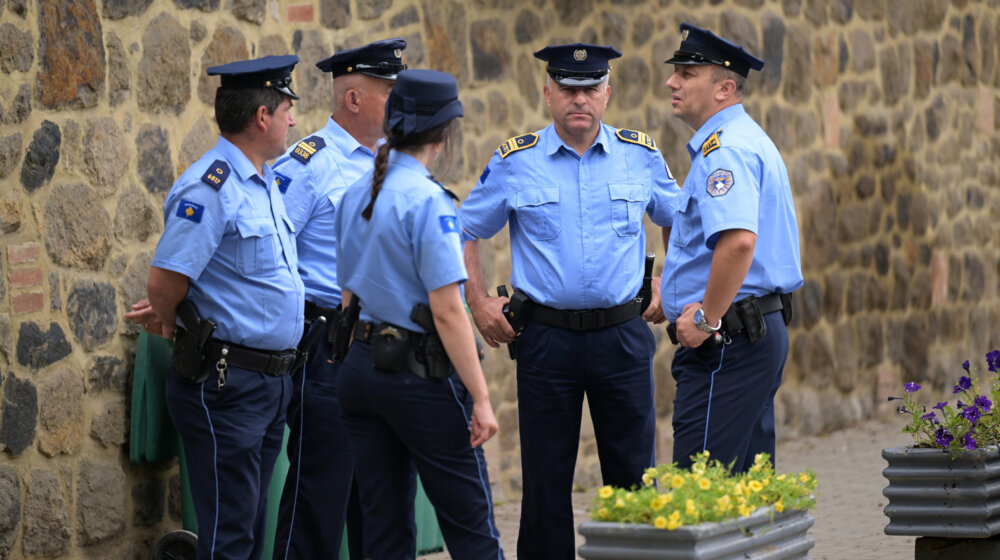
930, 416
971, 414
965, 365
984, 403
941, 405
960, 405
964, 383
942, 437
993, 360
911, 387
969, 441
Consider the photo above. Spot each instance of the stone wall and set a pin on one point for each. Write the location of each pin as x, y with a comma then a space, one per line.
885, 111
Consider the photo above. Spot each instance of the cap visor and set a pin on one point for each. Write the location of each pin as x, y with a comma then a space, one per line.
580, 82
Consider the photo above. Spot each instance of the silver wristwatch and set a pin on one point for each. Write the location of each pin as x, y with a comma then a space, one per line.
702, 324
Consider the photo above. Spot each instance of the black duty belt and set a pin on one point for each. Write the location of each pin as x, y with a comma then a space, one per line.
272, 362
364, 330
314, 310
732, 321
586, 319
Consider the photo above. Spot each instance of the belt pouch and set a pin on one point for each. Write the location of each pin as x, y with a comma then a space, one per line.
188, 361
390, 345
433, 355
752, 318
787, 310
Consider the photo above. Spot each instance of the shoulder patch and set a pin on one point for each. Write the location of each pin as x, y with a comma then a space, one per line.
306, 149
284, 181
190, 211
711, 144
216, 174
635, 137
517, 143
719, 182
449, 224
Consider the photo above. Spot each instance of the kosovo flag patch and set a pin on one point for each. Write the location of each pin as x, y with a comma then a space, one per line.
190, 211
448, 224
284, 181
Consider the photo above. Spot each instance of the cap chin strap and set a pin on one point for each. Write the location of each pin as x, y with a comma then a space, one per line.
575, 78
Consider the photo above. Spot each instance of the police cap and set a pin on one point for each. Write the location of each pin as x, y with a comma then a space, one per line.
273, 72
578, 64
421, 100
381, 59
701, 46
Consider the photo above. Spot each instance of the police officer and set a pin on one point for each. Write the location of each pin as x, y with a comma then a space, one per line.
229, 249
574, 194
399, 251
313, 175
734, 239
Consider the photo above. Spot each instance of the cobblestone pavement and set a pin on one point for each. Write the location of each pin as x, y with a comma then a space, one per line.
849, 519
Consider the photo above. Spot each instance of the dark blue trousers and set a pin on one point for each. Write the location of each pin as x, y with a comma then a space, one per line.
398, 421
231, 439
319, 494
740, 414
555, 369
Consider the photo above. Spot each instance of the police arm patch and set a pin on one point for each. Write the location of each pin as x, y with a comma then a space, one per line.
216, 174
190, 211
486, 173
711, 144
719, 182
517, 143
449, 224
635, 137
284, 181
306, 149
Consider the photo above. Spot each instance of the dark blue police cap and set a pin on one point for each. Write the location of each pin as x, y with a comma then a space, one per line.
421, 100
381, 59
701, 46
578, 64
268, 72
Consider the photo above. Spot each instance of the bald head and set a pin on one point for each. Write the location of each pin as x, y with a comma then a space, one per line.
359, 106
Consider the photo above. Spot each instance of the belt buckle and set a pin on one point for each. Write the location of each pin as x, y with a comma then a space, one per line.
588, 320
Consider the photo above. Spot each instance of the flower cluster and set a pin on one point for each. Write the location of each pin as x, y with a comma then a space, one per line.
970, 424
672, 497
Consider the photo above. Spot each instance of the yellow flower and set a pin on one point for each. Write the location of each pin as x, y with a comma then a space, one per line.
739, 488
804, 477
603, 513
704, 484
744, 510
629, 497
651, 471
665, 480
605, 492
657, 503
689, 507
724, 504
755, 468
660, 522
667, 498
619, 503
677, 481
781, 478
674, 521
755, 485
647, 480
779, 507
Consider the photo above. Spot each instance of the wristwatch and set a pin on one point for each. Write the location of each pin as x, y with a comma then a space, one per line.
702, 324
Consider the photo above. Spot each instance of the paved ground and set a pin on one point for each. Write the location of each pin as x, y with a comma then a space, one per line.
849, 520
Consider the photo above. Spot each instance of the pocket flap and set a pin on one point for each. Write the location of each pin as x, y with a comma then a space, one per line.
255, 227
631, 192
538, 196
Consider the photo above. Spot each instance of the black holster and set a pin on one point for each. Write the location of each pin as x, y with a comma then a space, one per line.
341, 328
753, 320
188, 360
429, 351
390, 347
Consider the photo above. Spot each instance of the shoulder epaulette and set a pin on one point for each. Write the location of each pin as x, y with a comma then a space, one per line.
447, 191
216, 174
307, 148
517, 143
711, 144
635, 137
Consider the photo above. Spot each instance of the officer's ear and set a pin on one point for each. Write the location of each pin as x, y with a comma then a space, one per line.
352, 100
260, 118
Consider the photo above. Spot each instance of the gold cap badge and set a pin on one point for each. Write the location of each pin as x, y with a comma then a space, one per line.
580, 55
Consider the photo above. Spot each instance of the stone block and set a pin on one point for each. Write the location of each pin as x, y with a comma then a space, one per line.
42, 156
157, 170
77, 227
11, 217
636, 74
18, 415
300, 13
335, 14
405, 17
10, 153
527, 27
799, 50
119, 9
445, 36
199, 32
47, 528
105, 155
372, 9
227, 45
25, 277
60, 413
17, 49
55, 295
27, 302
136, 217
110, 427
249, 10
108, 373
269, 45
203, 5
71, 65
572, 12
164, 77
92, 312
19, 108
10, 508
149, 499
773, 52
313, 85
37, 349
101, 501
6, 337
491, 56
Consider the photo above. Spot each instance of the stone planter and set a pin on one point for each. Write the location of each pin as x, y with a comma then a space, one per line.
931, 494
756, 536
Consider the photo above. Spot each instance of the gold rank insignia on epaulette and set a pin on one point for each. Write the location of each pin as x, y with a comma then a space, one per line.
307, 148
635, 137
216, 175
711, 144
517, 143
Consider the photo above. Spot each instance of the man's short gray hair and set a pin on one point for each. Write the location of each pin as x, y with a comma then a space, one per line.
720, 73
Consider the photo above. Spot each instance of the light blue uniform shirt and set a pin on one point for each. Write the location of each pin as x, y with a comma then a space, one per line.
312, 190
410, 247
576, 230
225, 228
740, 184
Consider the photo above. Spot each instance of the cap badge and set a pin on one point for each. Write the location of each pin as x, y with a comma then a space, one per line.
350, 68
684, 35
580, 55
398, 53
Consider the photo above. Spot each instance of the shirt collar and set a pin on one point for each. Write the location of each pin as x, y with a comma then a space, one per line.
713, 124
240, 163
343, 140
552, 142
397, 157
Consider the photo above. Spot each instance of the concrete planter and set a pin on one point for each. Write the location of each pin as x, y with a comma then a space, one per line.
932, 494
756, 536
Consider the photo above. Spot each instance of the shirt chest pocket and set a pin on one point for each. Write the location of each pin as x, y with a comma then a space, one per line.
683, 227
628, 200
258, 248
538, 212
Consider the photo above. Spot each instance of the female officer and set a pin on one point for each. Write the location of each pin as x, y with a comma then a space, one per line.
399, 248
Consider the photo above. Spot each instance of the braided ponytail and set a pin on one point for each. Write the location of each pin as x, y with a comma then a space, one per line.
381, 167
